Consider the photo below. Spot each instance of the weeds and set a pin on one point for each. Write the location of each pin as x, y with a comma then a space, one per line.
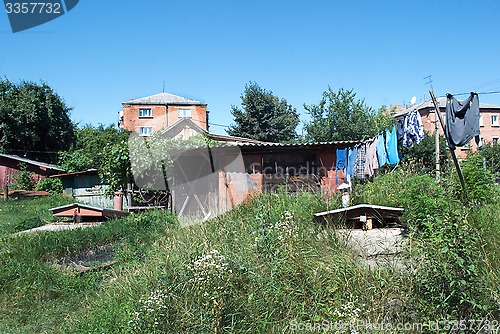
263, 267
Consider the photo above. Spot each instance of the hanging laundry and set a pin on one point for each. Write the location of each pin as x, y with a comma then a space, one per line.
359, 164
413, 129
381, 152
341, 155
351, 160
462, 120
391, 145
371, 162
400, 128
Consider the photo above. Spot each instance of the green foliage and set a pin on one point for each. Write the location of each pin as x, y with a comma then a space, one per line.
422, 157
491, 155
479, 182
262, 267
33, 118
340, 116
89, 149
23, 179
28, 223
420, 195
447, 279
264, 116
115, 167
75, 161
52, 185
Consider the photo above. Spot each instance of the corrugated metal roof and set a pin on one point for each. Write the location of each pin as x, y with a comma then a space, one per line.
226, 138
290, 145
164, 98
442, 104
31, 162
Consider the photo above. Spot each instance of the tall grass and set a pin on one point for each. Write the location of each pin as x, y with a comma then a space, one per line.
264, 267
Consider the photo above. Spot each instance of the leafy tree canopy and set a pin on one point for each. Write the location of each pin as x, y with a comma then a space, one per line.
34, 120
340, 116
264, 116
91, 145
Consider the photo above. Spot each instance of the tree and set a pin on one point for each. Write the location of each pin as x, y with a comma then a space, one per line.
422, 156
340, 116
34, 121
264, 116
88, 149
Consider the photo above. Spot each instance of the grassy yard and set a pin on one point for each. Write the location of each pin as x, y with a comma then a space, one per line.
17, 215
265, 267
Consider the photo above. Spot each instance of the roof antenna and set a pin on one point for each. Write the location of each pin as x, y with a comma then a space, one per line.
164, 86
429, 82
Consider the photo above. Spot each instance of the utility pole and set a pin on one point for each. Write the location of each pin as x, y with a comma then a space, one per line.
452, 152
436, 128
436, 140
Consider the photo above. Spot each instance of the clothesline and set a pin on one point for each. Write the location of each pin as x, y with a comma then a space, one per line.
362, 160
485, 93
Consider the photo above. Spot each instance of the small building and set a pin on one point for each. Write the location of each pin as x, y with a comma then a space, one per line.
85, 213
363, 215
86, 187
150, 114
11, 165
489, 122
214, 179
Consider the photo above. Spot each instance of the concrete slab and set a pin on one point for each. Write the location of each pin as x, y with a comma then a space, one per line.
380, 246
59, 227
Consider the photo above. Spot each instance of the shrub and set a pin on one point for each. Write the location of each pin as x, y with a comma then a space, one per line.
479, 182
23, 179
491, 155
420, 195
52, 185
448, 281
28, 223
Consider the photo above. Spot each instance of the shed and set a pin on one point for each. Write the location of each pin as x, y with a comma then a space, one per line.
86, 212
364, 215
86, 186
10, 165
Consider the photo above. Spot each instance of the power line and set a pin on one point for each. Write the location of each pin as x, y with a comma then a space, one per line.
484, 93
221, 125
488, 83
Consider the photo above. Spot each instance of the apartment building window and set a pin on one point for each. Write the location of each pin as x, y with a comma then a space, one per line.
495, 140
146, 130
184, 112
145, 112
494, 120
481, 120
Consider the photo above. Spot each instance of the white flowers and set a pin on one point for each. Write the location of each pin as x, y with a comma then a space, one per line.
150, 311
210, 273
286, 228
349, 312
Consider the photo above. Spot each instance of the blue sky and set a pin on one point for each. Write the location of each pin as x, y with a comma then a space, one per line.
105, 52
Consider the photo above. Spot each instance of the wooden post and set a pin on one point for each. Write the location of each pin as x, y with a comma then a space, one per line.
5, 190
452, 152
436, 140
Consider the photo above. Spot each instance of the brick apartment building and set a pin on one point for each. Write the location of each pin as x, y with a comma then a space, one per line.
149, 114
489, 121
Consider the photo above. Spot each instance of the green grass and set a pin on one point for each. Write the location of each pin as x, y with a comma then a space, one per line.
260, 268
14, 214
37, 296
